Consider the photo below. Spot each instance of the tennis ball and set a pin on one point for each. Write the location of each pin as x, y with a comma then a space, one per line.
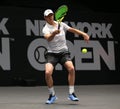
84, 50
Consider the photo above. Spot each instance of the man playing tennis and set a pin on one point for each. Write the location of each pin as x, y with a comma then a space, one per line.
58, 53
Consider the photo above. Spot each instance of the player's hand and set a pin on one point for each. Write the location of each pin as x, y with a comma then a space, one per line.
86, 37
56, 32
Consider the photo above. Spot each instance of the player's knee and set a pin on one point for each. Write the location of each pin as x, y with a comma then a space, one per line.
48, 73
71, 69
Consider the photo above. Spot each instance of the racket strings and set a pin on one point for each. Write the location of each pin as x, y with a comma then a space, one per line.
61, 12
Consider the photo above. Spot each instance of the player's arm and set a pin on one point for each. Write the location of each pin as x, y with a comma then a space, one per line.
50, 36
81, 33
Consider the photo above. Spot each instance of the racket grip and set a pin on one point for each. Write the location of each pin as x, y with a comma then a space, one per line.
58, 26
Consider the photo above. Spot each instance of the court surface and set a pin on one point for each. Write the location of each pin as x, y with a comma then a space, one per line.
91, 97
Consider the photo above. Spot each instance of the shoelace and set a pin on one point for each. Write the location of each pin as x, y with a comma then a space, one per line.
50, 96
73, 94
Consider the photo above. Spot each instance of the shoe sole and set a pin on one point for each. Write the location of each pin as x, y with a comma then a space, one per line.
72, 100
52, 102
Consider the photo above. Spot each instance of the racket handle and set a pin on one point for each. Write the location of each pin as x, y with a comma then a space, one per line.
58, 26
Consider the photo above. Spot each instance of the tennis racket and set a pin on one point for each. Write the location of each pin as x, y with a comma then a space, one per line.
60, 14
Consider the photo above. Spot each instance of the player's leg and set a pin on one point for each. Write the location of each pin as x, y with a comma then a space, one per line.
49, 67
48, 74
49, 80
71, 80
71, 72
68, 64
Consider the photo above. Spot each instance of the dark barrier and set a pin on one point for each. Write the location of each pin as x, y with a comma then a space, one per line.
22, 47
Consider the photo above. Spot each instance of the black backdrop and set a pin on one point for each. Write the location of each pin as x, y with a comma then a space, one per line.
18, 65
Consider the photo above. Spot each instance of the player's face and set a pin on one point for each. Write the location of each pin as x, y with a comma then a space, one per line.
49, 17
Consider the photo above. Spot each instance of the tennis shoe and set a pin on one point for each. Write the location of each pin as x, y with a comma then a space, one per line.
73, 97
51, 99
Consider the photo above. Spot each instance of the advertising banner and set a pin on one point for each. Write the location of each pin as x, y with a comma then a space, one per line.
22, 47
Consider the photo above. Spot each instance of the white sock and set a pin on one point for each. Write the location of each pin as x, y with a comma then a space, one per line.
51, 90
71, 89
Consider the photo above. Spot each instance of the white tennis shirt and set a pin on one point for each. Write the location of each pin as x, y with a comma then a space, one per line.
58, 43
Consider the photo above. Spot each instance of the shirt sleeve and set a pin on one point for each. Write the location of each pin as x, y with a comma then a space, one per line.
66, 27
45, 31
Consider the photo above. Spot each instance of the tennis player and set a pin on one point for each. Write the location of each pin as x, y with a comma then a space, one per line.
58, 52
